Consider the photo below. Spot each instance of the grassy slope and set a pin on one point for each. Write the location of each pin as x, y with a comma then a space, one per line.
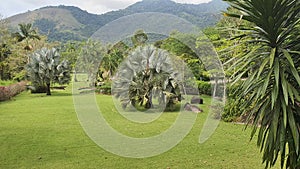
43, 132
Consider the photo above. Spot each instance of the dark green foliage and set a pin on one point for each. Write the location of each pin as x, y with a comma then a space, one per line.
202, 15
178, 48
232, 110
26, 32
273, 84
46, 26
4, 68
204, 88
64, 36
49, 28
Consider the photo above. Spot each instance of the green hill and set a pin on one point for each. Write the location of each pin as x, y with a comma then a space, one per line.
63, 23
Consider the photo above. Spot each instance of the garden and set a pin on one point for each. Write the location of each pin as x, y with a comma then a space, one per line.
240, 78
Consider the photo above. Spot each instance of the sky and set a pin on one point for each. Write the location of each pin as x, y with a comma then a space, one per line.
12, 7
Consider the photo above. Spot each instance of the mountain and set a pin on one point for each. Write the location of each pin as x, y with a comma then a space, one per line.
63, 23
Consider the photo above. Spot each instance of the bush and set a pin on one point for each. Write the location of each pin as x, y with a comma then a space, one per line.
204, 87
232, 110
38, 89
7, 92
104, 89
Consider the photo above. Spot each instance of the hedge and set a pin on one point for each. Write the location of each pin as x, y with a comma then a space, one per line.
204, 87
7, 92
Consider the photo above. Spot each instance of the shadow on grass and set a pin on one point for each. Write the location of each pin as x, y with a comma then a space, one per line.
60, 93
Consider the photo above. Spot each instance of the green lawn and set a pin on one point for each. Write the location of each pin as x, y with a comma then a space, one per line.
38, 131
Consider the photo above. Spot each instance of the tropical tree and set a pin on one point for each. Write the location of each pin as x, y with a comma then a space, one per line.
272, 88
5, 51
71, 51
112, 60
223, 36
175, 45
92, 52
26, 32
147, 73
139, 38
45, 68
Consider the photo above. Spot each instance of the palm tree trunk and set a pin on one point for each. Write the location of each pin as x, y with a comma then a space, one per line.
48, 89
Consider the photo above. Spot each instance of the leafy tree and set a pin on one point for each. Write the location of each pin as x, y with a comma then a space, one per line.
272, 88
174, 45
112, 60
147, 73
45, 67
5, 51
70, 51
223, 36
92, 52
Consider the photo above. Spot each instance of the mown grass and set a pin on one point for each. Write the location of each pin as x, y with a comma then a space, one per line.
38, 131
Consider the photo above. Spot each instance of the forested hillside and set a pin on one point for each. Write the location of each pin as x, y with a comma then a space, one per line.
63, 23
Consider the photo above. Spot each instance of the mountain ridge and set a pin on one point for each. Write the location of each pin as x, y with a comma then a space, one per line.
63, 23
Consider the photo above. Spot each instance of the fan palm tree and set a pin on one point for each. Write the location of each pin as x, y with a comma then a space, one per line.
45, 67
272, 88
147, 73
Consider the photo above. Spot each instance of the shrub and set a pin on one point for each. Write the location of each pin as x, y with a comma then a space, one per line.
204, 87
104, 89
36, 89
7, 92
232, 109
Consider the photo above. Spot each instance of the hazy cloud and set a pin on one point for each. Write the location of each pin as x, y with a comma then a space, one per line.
12, 7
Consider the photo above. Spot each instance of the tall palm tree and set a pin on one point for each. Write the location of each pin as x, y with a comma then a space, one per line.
26, 32
272, 88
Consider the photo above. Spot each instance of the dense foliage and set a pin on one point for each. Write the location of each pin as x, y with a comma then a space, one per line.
44, 68
146, 74
272, 87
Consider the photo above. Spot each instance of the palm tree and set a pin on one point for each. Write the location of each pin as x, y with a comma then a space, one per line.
272, 88
111, 62
147, 73
26, 32
45, 67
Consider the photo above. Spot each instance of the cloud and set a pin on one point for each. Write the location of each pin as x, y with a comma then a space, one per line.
12, 7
